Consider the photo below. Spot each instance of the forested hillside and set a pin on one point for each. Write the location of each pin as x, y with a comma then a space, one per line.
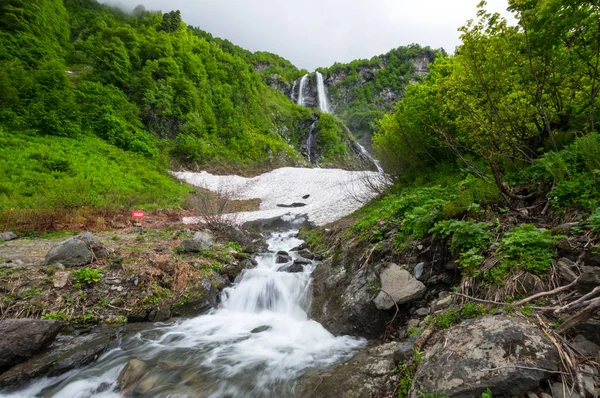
363, 90
153, 90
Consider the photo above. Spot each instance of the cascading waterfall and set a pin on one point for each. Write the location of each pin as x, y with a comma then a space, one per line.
309, 141
323, 103
303, 82
366, 153
293, 94
257, 344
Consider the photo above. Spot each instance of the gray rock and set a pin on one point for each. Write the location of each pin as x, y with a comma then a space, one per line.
260, 329
457, 363
78, 250
403, 352
442, 304
282, 258
302, 261
590, 329
6, 236
130, 376
200, 241
65, 354
413, 323
60, 279
419, 270
21, 338
589, 279
592, 257
367, 374
306, 254
292, 268
560, 391
585, 347
398, 287
422, 312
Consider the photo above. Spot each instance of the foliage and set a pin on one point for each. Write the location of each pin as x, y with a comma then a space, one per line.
87, 275
463, 235
524, 247
594, 220
453, 316
234, 245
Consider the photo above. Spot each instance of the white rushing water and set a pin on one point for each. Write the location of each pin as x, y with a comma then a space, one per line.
301, 88
366, 153
310, 141
221, 354
323, 103
332, 193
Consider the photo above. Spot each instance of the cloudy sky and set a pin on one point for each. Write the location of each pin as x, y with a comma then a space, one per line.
313, 33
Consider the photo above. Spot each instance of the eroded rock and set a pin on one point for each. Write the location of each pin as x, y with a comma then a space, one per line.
22, 338
398, 286
79, 250
495, 352
200, 241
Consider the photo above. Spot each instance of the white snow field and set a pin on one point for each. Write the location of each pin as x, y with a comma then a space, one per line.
334, 193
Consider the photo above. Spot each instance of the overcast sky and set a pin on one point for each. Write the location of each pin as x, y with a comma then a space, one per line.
313, 33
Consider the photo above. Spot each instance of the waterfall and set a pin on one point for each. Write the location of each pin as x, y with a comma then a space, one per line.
301, 90
323, 105
309, 141
292, 95
366, 153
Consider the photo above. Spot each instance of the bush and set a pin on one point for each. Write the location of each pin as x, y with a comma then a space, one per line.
463, 235
87, 275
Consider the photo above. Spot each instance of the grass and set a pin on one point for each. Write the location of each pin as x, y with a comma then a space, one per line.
50, 172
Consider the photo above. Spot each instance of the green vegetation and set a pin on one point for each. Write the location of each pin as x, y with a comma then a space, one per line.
360, 90
453, 316
87, 275
99, 103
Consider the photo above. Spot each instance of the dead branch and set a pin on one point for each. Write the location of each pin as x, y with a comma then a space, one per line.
575, 304
581, 316
545, 294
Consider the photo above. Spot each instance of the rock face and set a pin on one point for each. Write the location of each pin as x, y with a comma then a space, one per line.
200, 241
482, 353
79, 250
367, 374
342, 299
21, 338
292, 268
6, 236
398, 286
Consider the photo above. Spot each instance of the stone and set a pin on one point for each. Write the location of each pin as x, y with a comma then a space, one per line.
302, 261
65, 354
403, 352
413, 323
282, 258
60, 279
456, 364
398, 287
419, 270
566, 268
544, 395
442, 304
585, 347
200, 241
589, 279
260, 329
532, 395
131, 374
592, 257
306, 254
292, 268
370, 373
560, 391
422, 312
6, 236
22, 338
590, 329
79, 250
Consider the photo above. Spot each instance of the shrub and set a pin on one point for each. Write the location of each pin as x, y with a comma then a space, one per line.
463, 235
87, 275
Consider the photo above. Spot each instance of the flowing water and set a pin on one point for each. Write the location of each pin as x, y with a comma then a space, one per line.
310, 141
323, 103
303, 82
222, 354
366, 153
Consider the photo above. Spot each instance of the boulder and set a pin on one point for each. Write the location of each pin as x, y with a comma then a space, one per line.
261, 329
292, 268
589, 279
302, 261
21, 338
65, 354
306, 254
559, 390
6, 236
585, 347
130, 376
592, 257
282, 257
200, 241
495, 352
398, 286
368, 374
79, 250
342, 298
